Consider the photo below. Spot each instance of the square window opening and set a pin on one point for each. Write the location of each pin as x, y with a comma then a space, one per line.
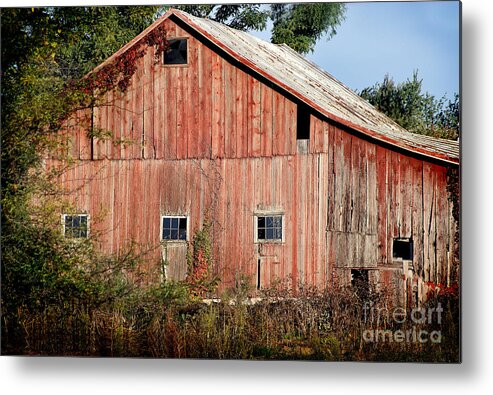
269, 228
76, 226
174, 228
402, 249
177, 52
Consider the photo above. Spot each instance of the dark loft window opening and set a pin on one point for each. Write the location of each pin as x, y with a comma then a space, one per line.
174, 228
303, 122
76, 226
177, 51
269, 228
403, 249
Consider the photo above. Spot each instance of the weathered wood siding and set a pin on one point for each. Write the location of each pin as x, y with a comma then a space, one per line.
206, 109
209, 139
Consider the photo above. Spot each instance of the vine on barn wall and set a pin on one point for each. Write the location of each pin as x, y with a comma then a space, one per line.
114, 75
119, 72
200, 278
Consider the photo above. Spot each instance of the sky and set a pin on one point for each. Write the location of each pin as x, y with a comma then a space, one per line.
394, 38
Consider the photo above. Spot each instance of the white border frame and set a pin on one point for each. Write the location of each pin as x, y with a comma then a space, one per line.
161, 240
268, 214
73, 215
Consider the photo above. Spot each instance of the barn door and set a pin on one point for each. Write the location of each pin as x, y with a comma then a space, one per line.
174, 261
268, 265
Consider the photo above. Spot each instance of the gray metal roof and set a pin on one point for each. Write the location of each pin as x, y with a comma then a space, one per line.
317, 87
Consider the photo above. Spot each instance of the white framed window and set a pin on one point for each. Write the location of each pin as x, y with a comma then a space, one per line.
269, 227
174, 228
75, 226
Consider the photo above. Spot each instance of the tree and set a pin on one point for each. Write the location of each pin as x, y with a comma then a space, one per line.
301, 25
44, 50
297, 25
45, 54
414, 110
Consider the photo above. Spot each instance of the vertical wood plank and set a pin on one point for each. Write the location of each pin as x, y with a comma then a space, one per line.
217, 106
194, 101
254, 117
206, 97
229, 110
182, 114
279, 138
266, 120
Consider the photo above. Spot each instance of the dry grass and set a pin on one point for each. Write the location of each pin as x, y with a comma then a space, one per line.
309, 326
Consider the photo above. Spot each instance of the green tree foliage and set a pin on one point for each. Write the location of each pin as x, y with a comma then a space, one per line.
414, 110
43, 50
238, 16
298, 25
301, 25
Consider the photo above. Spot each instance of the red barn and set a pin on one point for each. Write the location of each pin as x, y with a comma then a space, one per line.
300, 177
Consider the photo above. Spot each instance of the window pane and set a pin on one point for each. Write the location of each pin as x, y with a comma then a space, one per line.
269, 222
403, 249
174, 234
183, 224
277, 222
174, 223
166, 223
261, 234
166, 234
270, 234
278, 233
183, 234
75, 221
261, 222
76, 226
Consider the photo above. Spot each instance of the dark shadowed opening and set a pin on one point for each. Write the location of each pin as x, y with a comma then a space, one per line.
303, 122
177, 52
403, 249
360, 282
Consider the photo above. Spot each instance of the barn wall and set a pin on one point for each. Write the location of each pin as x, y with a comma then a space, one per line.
209, 140
376, 195
126, 199
206, 109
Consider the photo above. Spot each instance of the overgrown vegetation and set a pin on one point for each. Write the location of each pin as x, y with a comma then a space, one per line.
45, 52
200, 279
311, 326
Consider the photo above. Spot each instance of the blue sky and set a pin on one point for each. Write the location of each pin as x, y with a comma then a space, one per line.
395, 38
